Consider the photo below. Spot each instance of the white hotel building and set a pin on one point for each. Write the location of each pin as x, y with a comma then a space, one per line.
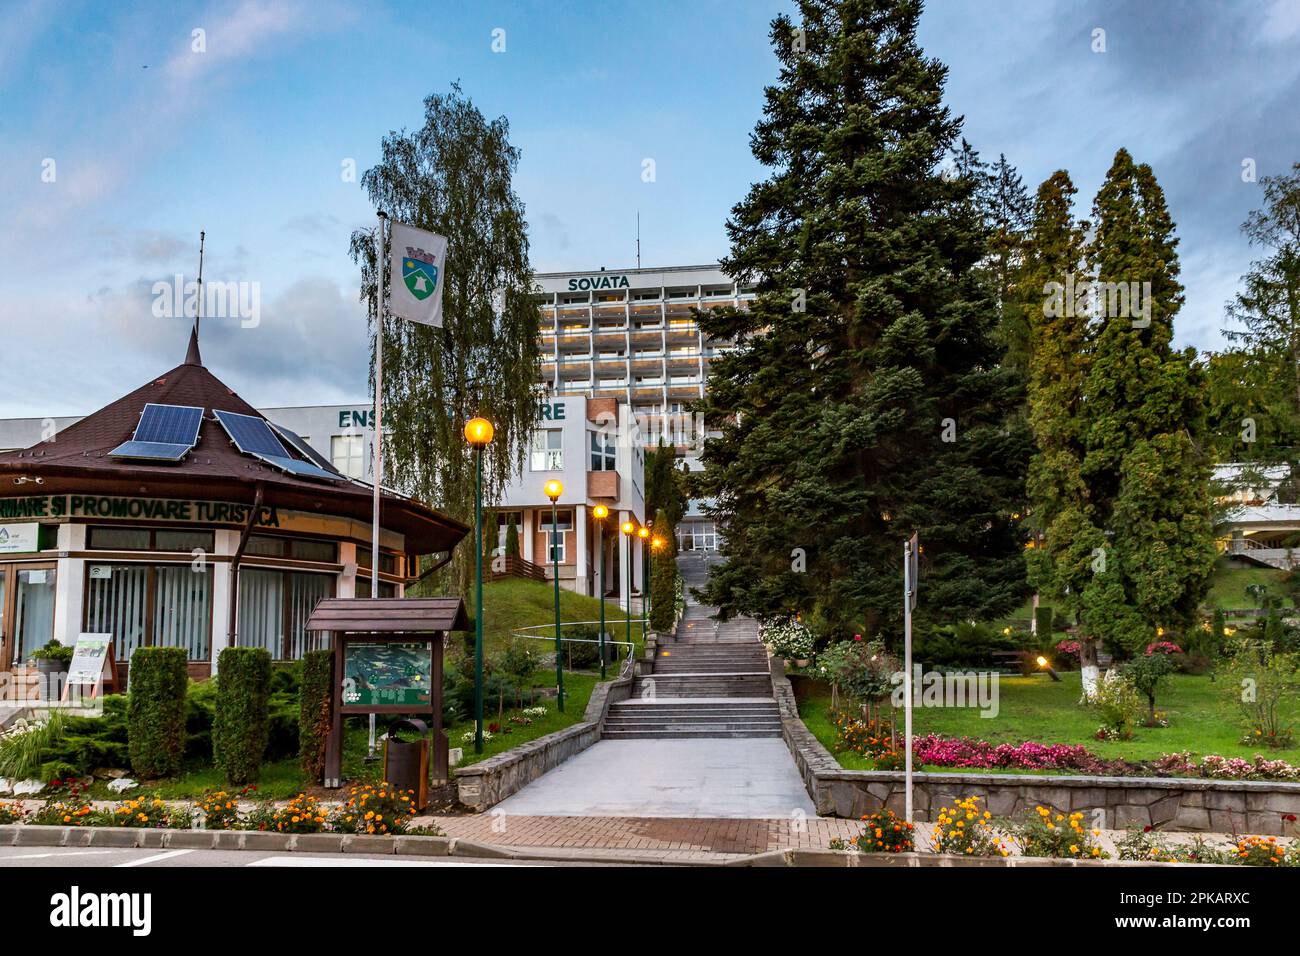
621, 358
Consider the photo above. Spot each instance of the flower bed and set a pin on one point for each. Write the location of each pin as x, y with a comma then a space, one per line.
371, 809
963, 829
972, 754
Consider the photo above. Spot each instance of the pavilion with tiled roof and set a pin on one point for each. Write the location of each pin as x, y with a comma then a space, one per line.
153, 550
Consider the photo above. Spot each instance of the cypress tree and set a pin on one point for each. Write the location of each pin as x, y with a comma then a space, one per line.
1061, 558
1147, 480
863, 400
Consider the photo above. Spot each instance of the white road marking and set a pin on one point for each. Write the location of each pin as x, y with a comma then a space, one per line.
361, 861
155, 858
43, 856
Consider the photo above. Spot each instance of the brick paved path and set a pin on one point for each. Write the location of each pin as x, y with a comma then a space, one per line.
665, 834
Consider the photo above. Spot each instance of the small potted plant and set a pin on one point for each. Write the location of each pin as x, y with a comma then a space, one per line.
53, 658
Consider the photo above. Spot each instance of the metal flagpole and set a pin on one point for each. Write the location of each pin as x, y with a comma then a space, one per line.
380, 270
909, 601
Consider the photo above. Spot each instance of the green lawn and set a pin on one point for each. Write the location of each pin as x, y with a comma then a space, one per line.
513, 603
1036, 708
1228, 586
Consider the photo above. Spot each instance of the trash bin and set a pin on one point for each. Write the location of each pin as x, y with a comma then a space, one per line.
406, 762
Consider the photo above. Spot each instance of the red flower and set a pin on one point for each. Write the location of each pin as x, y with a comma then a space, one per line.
1146, 829
857, 637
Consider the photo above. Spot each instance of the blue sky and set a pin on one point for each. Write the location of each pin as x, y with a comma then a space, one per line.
152, 141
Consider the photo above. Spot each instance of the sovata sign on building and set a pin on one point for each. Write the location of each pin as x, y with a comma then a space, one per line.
19, 538
598, 282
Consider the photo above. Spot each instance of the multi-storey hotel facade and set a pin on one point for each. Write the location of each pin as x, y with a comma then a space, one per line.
631, 335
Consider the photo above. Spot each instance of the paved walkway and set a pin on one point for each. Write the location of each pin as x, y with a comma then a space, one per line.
667, 838
721, 778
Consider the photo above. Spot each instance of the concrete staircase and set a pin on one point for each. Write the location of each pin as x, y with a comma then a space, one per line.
710, 679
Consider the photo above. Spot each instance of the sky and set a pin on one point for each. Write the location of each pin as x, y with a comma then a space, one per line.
124, 132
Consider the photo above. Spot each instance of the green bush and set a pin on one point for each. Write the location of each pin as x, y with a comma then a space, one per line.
240, 729
314, 710
512, 541
156, 710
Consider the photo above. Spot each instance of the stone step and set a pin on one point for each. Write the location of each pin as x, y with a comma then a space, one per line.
661, 712
692, 715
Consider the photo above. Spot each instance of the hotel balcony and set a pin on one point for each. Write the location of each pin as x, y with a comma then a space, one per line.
576, 367
605, 337
602, 484
689, 389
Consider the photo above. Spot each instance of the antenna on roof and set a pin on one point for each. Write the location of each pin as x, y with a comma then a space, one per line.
198, 308
638, 238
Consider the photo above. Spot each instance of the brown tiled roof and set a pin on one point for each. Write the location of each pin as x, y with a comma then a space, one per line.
76, 460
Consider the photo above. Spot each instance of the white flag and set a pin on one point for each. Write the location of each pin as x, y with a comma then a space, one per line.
417, 264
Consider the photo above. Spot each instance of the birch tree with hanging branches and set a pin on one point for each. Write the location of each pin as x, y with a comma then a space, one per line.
453, 176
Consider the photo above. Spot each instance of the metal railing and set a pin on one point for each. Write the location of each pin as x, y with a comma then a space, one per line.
625, 668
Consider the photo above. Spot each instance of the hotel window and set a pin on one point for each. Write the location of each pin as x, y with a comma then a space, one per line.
603, 451
347, 455
555, 542
547, 450
274, 607
388, 563
386, 588
151, 605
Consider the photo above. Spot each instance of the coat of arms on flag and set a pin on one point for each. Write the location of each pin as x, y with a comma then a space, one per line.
420, 257
420, 272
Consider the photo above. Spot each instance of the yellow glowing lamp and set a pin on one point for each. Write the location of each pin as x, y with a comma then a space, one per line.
629, 528
657, 543
478, 432
554, 489
600, 512
1042, 661
643, 533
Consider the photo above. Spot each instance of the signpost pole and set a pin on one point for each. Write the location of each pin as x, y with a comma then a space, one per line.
909, 601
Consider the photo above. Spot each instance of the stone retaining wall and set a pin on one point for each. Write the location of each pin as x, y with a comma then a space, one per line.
1170, 803
485, 784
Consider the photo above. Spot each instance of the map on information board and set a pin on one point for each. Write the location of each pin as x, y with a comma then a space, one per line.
387, 674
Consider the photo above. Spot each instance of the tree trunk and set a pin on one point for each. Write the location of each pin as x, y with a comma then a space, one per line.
1088, 666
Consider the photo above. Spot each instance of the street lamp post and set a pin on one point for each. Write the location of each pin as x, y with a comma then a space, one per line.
629, 529
600, 513
553, 491
478, 432
644, 534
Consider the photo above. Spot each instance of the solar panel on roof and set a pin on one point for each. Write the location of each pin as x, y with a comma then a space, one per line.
150, 450
304, 449
172, 424
300, 468
164, 433
252, 436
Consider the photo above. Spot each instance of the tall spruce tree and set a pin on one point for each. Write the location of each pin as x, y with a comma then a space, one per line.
1147, 478
864, 399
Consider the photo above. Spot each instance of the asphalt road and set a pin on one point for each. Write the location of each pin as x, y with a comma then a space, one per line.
17, 856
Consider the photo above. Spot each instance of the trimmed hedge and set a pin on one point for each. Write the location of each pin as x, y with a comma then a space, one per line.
241, 725
315, 701
155, 710
1045, 620
663, 577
